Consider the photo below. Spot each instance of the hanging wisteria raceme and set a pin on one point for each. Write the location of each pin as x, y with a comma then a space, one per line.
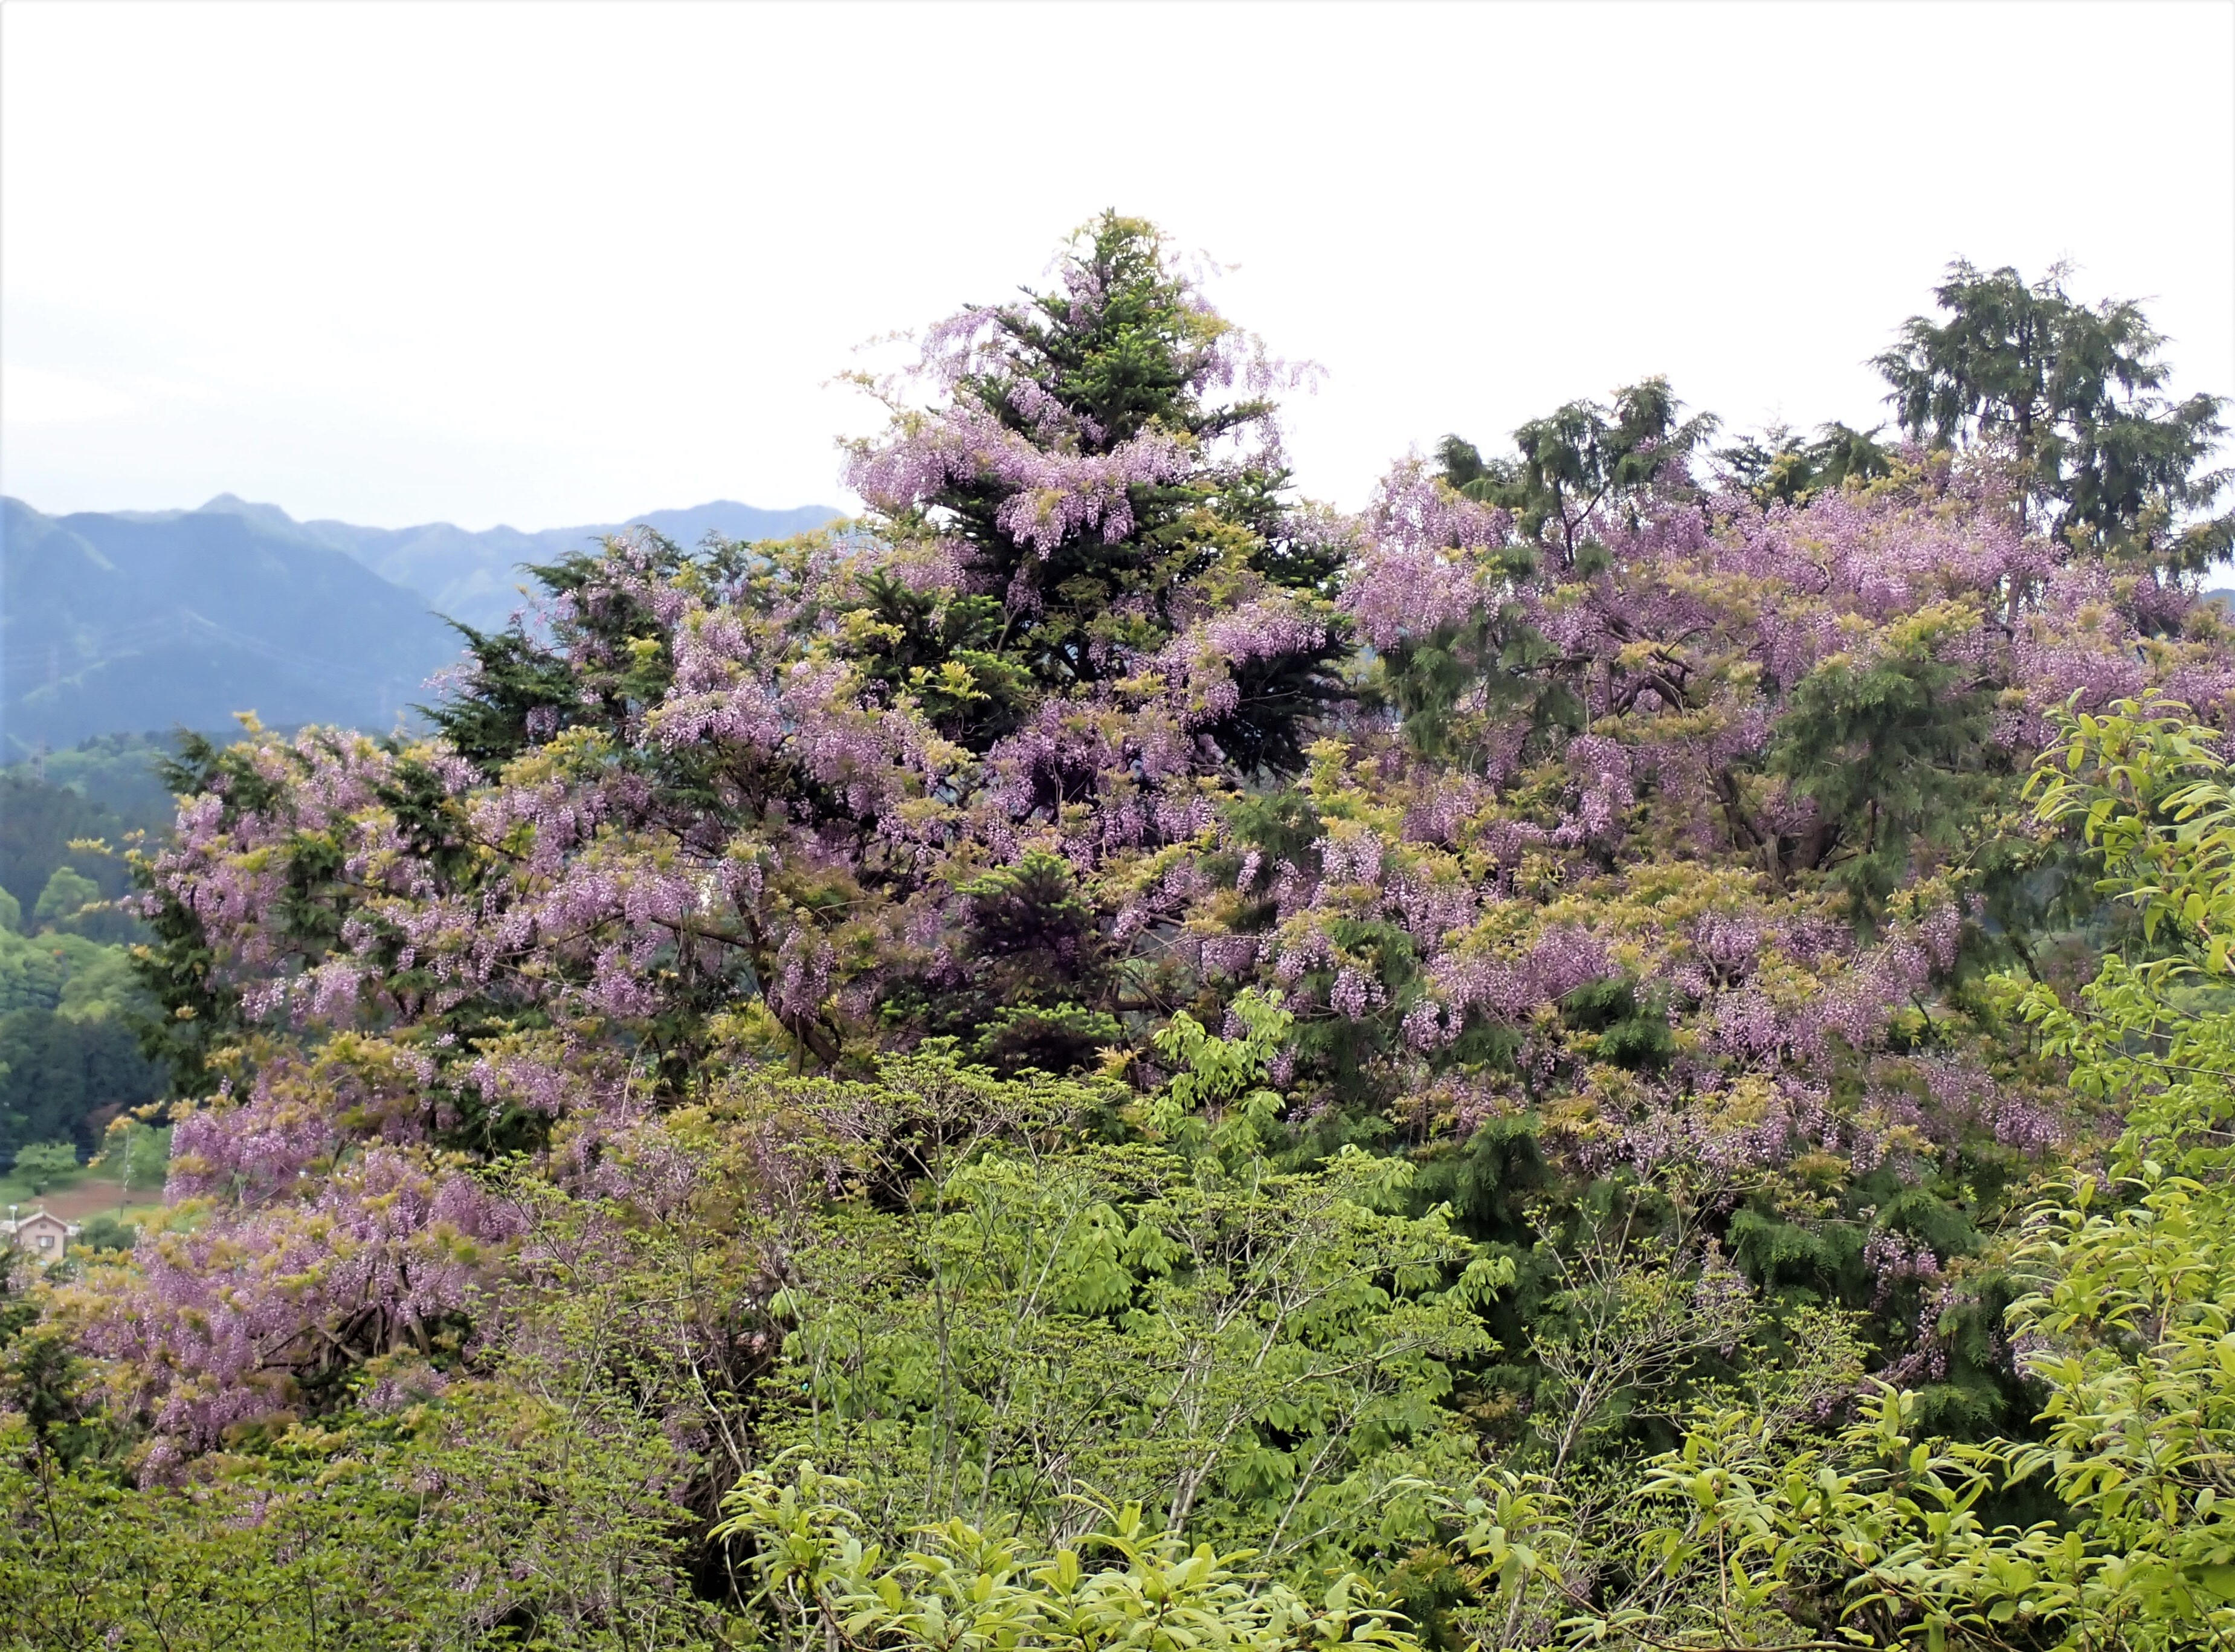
221, 1323
1725, 764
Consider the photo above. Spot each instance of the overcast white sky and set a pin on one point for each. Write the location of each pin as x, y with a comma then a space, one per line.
548, 264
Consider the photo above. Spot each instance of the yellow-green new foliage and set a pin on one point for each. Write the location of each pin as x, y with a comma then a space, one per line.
1122, 1585
1030, 1326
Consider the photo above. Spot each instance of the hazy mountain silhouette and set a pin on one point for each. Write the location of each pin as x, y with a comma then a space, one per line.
146, 620
473, 577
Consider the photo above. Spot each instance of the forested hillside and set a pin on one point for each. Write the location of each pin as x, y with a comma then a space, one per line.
1625, 1048
72, 1007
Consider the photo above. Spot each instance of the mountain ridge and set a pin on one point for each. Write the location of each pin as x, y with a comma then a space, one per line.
128, 620
471, 575
109, 622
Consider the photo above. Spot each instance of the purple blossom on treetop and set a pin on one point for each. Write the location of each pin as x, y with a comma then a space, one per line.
1078, 466
1051, 496
1421, 568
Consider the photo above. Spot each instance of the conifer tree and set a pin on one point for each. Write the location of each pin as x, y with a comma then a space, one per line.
2075, 391
1093, 490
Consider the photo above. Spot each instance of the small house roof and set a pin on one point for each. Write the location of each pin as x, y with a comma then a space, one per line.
41, 1217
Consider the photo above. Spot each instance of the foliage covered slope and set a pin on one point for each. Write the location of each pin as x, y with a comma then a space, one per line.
1111, 1006
72, 1004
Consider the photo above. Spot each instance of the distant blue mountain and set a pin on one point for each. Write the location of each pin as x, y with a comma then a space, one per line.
132, 620
147, 619
473, 577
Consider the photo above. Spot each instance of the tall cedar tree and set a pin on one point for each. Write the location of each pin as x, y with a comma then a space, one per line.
2075, 391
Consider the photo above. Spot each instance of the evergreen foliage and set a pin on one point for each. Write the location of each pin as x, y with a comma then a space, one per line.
2072, 392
